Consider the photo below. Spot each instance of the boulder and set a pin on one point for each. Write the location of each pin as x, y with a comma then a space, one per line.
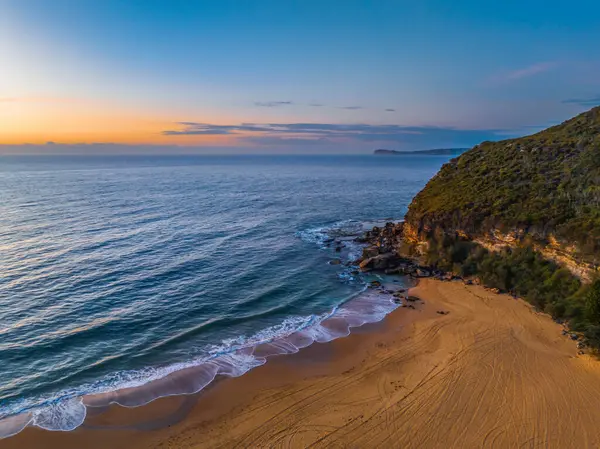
422, 273
410, 270
370, 251
335, 262
382, 261
366, 263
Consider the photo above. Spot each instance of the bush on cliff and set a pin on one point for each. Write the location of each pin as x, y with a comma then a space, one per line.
591, 324
523, 272
519, 270
545, 185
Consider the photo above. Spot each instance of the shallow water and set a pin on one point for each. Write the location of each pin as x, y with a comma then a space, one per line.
118, 271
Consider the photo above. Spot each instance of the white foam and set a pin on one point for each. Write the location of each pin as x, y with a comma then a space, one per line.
233, 357
64, 415
321, 235
237, 364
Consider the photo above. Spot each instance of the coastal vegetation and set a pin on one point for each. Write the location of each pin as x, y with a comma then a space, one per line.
544, 186
521, 216
523, 272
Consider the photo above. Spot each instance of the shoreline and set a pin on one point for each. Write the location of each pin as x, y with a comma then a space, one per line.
415, 379
366, 307
294, 333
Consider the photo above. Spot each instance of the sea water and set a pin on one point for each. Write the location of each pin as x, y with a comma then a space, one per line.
127, 278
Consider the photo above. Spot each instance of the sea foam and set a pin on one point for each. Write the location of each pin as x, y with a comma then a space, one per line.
191, 377
232, 358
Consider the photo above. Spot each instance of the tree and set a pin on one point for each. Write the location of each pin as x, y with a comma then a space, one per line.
592, 302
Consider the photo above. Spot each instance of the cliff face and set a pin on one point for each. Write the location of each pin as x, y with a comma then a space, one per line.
542, 189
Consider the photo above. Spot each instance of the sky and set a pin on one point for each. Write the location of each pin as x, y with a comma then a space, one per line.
287, 76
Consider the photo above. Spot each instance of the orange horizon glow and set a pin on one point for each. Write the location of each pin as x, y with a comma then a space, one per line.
69, 121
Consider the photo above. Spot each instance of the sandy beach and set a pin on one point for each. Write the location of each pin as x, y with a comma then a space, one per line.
490, 373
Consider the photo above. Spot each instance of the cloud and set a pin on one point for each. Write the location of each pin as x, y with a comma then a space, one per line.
333, 133
284, 141
525, 72
8, 100
390, 110
316, 105
531, 70
277, 138
194, 128
350, 108
272, 104
593, 101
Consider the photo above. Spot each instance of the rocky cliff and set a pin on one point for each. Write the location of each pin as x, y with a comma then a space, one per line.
543, 190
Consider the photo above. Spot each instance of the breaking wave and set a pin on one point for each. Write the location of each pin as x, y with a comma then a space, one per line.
232, 357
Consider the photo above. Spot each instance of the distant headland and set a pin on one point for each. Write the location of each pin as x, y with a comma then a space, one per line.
434, 152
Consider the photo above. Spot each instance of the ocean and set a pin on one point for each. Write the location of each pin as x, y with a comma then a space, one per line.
119, 274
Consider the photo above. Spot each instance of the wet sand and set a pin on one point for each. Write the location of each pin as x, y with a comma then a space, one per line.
490, 373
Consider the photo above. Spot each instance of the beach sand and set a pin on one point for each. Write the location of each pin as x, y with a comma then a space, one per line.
490, 373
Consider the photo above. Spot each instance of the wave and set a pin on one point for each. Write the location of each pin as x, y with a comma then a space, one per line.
341, 233
233, 357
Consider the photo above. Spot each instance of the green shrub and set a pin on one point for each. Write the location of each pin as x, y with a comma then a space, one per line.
524, 272
544, 184
592, 303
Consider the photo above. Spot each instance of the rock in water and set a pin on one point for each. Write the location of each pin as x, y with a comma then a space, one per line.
382, 261
422, 273
366, 263
369, 252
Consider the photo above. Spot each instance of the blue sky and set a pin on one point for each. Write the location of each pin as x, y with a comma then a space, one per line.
259, 75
